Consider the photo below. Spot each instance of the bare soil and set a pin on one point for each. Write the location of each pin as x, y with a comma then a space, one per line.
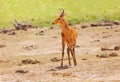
34, 56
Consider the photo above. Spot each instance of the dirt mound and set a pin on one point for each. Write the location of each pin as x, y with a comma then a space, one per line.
30, 61
113, 54
107, 55
105, 23
8, 31
102, 56
21, 71
22, 26
18, 26
105, 48
85, 26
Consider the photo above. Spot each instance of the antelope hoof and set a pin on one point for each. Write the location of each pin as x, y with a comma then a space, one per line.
69, 64
61, 65
75, 63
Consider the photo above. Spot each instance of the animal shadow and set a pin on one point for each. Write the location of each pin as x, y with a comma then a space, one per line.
59, 68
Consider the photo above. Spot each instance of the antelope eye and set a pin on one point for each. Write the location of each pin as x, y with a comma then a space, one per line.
58, 18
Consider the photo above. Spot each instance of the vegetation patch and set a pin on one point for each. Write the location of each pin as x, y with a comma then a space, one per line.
42, 13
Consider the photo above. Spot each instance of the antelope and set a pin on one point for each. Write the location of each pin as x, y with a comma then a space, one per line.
69, 36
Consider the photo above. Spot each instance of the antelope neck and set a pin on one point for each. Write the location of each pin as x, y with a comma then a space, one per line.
65, 27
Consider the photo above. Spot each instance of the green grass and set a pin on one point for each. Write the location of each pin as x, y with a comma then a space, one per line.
43, 12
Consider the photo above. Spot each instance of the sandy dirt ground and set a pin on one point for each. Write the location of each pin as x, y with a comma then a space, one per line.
35, 56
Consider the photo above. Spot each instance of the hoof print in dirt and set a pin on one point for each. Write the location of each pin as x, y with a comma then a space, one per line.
21, 71
30, 61
30, 47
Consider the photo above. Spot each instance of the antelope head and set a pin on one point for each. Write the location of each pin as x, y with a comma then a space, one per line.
60, 20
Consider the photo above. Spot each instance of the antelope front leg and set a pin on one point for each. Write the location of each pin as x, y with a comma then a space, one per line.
73, 55
68, 52
63, 48
75, 62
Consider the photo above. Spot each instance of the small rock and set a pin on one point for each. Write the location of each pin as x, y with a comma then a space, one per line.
84, 59
2, 45
41, 31
77, 46
97, 55
97, 41
51, 27
117, 48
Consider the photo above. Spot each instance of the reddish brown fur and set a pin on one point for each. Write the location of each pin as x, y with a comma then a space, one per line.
69, 36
